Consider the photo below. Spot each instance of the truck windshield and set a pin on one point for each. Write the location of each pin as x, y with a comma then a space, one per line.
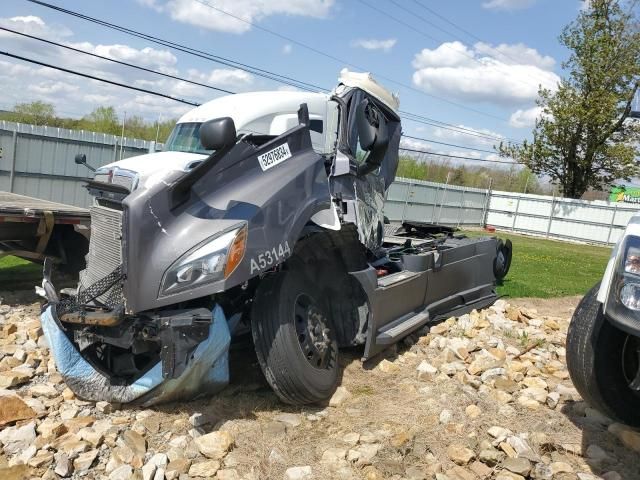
185, 137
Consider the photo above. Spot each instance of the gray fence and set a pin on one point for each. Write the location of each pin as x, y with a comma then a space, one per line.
39, 161
594, 221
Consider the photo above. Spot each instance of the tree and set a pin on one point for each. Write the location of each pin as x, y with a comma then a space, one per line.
102, 119
584, 137
36, 113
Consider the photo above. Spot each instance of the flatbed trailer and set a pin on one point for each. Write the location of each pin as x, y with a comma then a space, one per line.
34, 229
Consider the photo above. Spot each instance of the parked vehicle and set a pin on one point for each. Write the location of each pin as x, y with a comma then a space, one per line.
36, 229
264, 214
603, 341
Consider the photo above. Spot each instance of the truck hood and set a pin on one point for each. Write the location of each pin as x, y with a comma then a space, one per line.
153, 167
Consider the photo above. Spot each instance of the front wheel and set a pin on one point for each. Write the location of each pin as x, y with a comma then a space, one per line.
294, 339
603, 362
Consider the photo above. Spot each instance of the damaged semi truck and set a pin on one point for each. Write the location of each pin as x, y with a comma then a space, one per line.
264, 214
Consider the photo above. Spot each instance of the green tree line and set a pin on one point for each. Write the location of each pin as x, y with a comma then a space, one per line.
102, 119
512, 179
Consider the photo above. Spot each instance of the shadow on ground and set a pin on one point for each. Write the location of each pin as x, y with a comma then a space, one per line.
596, 437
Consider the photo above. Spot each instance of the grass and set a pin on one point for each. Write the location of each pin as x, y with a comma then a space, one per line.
550, 268
19, 274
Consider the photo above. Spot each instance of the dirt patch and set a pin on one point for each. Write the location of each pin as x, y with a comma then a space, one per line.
556, 307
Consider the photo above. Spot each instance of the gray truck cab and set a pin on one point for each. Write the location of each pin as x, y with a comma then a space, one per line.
263, 214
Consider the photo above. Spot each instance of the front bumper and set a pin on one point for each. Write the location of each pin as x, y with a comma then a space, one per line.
206, 372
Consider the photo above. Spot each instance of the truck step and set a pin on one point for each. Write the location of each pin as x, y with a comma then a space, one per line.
392, 332
394, 278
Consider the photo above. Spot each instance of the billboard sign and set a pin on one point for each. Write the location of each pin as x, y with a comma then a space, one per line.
625, 194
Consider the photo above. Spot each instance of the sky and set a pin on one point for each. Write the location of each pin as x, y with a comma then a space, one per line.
476, 64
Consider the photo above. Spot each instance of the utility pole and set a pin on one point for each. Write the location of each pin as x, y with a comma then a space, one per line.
124, 119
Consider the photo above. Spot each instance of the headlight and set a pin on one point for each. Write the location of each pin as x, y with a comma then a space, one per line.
211, 261
629, 274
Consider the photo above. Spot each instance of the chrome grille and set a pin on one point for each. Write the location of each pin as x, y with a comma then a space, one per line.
105, 246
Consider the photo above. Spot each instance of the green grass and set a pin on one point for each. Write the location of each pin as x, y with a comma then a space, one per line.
549, 268
19, 274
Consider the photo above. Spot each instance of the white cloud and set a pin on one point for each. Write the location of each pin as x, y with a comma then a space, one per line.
287, 49
32, 25
468, 136
506, 74
516, 54
200, 13
508, 4
525, 118
374, 44
75, 96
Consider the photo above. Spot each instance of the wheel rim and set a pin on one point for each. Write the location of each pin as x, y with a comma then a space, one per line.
312, 332
631, 362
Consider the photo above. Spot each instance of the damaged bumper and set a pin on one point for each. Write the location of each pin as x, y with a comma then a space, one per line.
205, 370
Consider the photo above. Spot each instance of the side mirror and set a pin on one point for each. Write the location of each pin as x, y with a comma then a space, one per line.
373, 136
218, 133
81, 159
366, 131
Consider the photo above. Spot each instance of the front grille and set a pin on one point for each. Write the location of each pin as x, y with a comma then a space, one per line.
105, 246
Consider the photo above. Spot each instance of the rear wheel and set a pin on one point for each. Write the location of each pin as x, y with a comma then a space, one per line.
603, 362
294, 339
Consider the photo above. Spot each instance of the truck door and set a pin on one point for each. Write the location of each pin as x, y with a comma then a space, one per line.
366, 163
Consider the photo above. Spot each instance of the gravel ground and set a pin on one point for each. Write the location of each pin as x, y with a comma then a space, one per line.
486, 395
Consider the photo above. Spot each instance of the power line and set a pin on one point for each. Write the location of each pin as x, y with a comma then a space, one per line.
425, 152
152, 92
174, 77
339, 60
99, 79
95, 55
185, 49
447, 144
242, 66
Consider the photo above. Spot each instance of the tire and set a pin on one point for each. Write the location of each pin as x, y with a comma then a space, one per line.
596, 362
277, 325
502, 262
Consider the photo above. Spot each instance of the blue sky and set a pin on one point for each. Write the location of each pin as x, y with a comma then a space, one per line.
493, 69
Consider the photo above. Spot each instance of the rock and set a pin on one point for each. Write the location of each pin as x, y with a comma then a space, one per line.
84, 461
214, 445
123, 472
43, 458
351, 438
630, 438
594, 452
426, 371
227, 474
16, 472
333, 455
160, 460
560, 467
485, 360
206, 469
149, 471
460, 454
480, 470
17, 439
135, 442
612, 475
200, 419
105, 407
541, 472
507, 475
13, 378
298, 473
499, 433
521, 466
176, 467
445, 416
386, 366
340, 396
289, 419
553, 399
43, 390
63, 465
13, 409
490, 456
473, 411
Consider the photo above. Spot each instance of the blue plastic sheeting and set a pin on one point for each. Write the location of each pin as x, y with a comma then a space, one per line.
207, 372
